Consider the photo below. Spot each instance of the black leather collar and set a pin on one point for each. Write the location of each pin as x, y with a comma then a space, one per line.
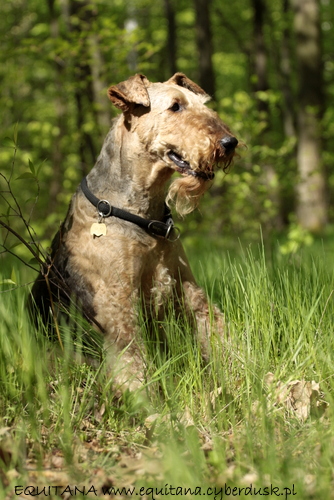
163, 229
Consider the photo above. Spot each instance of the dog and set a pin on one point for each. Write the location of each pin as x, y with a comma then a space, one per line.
118, 246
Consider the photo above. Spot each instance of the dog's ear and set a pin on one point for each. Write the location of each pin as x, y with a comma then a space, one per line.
183, 81
133, 91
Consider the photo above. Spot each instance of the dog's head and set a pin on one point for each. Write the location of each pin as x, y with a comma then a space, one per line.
179, 131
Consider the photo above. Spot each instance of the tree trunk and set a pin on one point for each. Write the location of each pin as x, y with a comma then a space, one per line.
84, 92
260, 53
204, 45
171, 36
260, 71
289, 119
100, 95
60, 110
311, 199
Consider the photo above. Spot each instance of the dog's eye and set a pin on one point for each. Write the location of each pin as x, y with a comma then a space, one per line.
176, 107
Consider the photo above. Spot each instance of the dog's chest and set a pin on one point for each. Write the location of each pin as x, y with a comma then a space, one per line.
158, 280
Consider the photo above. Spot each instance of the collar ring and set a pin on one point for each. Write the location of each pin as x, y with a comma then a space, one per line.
107, 208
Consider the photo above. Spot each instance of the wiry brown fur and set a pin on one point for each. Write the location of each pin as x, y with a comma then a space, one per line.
161, 125
186, 192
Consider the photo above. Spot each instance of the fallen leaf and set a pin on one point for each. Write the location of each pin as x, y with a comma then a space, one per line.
249, 478
6, 451
297, 396
186, 418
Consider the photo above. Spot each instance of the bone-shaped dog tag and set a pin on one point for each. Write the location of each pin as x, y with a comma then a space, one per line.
98, 229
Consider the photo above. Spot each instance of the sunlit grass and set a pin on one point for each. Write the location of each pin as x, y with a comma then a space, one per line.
211, 426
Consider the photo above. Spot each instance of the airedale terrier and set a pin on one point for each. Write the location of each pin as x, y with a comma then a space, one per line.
118, 245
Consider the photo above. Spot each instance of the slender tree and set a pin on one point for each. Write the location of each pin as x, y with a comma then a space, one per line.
260, 71
60, 112
171, 36
259, 52
204, 45
289, 121
311, 199
99, 84
82, 17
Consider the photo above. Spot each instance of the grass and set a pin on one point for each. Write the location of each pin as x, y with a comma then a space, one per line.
222, 428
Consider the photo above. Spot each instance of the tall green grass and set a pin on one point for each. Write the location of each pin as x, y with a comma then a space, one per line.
211, 426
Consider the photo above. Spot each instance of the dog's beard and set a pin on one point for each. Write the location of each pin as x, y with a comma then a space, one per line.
185, 193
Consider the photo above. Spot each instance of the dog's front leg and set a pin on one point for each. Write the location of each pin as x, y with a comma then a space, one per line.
118, 316
208, 317
127, 368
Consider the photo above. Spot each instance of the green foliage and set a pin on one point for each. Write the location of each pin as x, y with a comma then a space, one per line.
58, 61
297, 237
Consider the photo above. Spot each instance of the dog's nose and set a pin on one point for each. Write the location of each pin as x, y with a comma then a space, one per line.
229, 143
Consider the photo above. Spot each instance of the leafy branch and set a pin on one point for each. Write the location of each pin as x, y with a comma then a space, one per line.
53, 279
32, 245
14, 209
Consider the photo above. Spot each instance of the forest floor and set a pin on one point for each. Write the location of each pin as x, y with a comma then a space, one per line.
257, 421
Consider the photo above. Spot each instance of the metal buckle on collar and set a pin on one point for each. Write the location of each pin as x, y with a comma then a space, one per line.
177, 235
170, 224
104, 213
164, 230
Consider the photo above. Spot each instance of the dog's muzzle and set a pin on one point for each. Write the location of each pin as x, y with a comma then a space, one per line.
229, 143
183, 167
